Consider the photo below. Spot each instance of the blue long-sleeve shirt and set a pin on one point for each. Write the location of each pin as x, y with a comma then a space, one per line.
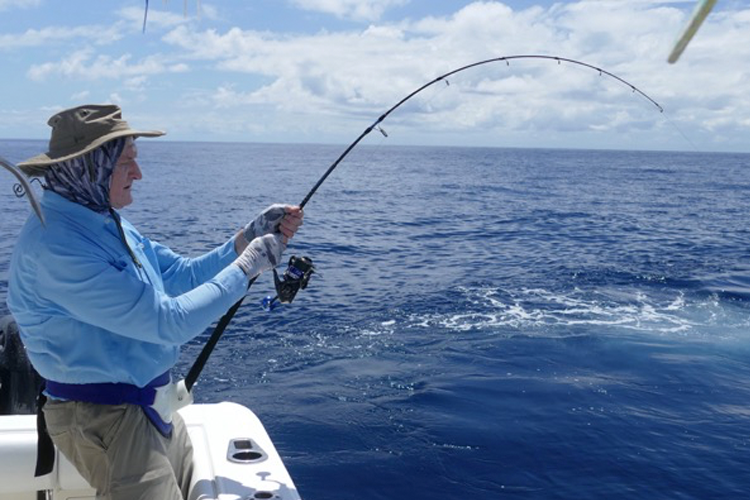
88, 314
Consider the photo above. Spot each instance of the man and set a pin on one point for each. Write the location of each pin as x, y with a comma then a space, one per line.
103, 311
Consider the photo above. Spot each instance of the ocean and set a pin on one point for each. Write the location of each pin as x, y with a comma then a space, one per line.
484, 323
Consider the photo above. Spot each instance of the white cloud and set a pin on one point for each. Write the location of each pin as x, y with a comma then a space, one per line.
381, 62
85, 65
49, 36
18, 4
365, 72
136, 83
80, 96
155, 20
358, 10
283, 82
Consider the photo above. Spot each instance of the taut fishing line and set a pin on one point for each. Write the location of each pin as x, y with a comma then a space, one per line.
300, 269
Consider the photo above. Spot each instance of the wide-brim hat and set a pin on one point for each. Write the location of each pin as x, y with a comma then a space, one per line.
77, 131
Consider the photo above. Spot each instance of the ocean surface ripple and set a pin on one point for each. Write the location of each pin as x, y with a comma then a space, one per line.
486, 323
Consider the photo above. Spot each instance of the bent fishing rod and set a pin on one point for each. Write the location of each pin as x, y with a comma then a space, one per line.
300, 269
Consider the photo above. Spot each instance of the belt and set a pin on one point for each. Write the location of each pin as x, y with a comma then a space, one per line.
108, 393
117, 393
104, 394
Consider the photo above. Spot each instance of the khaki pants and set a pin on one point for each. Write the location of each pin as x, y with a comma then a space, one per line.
120, 452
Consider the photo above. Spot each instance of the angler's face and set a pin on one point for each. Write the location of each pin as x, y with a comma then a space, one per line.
126, 172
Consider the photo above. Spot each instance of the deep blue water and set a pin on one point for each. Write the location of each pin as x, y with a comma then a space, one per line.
486, 323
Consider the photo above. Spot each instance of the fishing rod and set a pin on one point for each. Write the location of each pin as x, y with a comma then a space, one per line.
23, 187
299, 270
440, 78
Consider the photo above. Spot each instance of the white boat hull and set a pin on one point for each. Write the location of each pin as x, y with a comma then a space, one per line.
234, 459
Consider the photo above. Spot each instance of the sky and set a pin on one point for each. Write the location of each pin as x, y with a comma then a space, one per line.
321, 71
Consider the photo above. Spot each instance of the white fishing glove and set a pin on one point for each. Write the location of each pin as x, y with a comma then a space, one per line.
266, 223
262, 254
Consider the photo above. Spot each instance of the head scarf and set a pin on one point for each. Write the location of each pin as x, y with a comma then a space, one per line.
85, 179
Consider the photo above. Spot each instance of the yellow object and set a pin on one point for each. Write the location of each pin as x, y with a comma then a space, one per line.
699, 14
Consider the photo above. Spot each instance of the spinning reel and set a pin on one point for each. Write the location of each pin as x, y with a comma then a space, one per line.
295, 278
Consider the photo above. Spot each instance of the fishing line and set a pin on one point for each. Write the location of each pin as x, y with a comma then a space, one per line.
184, 11
302, 273
679, 131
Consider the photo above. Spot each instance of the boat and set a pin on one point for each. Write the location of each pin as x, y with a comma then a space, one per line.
233, 459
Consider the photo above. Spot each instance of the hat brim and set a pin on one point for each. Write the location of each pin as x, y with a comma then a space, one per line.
38, 165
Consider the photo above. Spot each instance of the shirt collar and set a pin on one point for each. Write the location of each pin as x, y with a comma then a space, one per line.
65, 208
